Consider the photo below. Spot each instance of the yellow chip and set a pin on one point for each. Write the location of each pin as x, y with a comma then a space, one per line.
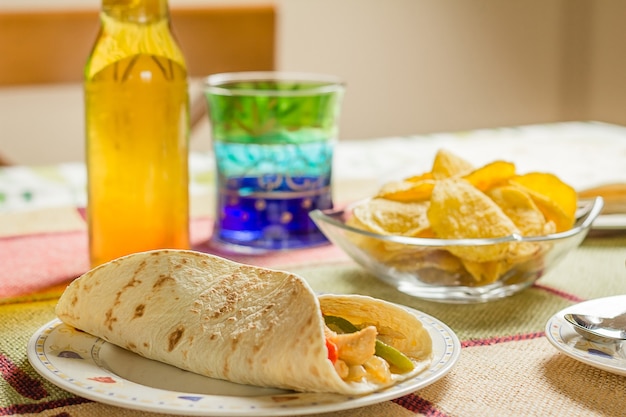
407, 191
521, 209
491, 175
556, 200
427, 262
524, 257
448, 165
486, 272
369, 244
427, 233
388, 217
458, 210
421, 177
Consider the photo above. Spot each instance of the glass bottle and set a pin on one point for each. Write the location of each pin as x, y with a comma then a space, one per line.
137, 133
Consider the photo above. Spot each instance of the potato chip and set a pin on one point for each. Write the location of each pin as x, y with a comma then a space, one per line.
520, 208
427, 233
556, 200
389, 217
458, 210
426, 263
395, 247
491, 175
486, 272
421, 177
407, 191
522, 253
381, 217
375, 247
448, 165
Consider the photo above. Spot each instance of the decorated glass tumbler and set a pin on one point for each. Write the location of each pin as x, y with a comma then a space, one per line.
273, 136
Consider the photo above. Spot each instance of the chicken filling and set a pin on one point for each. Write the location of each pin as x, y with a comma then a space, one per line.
357, 354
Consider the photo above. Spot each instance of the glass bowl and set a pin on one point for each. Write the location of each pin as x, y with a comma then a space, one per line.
424, 268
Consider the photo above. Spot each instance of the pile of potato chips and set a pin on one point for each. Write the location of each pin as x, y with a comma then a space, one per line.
455, 200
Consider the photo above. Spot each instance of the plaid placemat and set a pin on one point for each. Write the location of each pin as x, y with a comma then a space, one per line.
507, 366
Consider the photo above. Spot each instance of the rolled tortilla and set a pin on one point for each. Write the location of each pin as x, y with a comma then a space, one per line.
226, 320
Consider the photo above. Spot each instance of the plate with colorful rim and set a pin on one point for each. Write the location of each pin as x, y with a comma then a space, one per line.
610, 357
89, 367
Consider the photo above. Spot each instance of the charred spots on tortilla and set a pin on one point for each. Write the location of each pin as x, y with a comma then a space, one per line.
133, 282
175, 337
109, 319
227, 305
140, 267
197, 306
314, 371
226, 368
234, 341
118, 297
163, 279
85, 287
268, 308
139, 310
74, 301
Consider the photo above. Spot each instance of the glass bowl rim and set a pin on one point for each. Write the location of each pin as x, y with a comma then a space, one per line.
588, 210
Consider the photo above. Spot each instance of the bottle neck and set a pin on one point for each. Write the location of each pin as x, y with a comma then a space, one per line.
138, 11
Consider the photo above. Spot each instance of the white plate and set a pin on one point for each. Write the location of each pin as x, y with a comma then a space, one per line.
610, 222
609, 357
92, 368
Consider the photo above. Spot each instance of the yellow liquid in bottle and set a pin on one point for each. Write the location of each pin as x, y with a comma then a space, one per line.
137, 148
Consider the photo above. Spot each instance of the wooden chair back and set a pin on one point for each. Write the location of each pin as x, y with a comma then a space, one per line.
48, 47
52, 47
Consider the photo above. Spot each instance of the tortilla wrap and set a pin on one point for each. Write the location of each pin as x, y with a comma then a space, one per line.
226, 320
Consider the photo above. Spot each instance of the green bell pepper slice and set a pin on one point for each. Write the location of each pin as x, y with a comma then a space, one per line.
393, 356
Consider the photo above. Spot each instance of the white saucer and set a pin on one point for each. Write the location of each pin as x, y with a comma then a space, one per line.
609, 357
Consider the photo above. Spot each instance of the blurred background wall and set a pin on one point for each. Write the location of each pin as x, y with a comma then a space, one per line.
421, 66
417, 66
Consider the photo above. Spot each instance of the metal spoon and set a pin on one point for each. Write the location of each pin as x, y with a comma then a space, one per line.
599, 329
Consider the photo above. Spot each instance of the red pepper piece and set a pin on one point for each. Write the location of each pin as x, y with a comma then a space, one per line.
333, 352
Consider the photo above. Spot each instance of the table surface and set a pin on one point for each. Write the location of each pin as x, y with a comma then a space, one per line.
507, 365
